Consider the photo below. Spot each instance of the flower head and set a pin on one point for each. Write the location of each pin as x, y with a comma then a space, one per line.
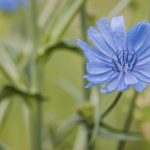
118, 59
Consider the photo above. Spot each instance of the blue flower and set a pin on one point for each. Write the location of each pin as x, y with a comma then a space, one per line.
118, 59
12, 5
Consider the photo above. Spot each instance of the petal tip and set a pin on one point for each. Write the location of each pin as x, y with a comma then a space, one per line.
104, 91
102, 20
78, 42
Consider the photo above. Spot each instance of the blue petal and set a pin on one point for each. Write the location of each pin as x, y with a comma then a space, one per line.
122, 85
112, 85
144, 72
140, 86
136, 36
145, 66
143, 54
106, 32
91, 84
98, 68
97, 39
142, 76
119, 32
92, 54
105, 77
145, 48
130, 79
94, 83
143, 62
106, 91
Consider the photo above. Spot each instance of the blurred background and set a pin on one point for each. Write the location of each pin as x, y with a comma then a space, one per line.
63, 83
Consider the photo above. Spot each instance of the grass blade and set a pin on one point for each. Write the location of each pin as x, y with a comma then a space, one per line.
5, 107
60, 24
9, 68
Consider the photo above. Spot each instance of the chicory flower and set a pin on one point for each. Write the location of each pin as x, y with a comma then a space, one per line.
118, 60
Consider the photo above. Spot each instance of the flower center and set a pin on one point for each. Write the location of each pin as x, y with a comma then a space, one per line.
124, 60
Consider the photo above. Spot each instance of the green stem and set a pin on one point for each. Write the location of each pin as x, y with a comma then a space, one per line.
128, 120
36, 124
84, 26
34, 22
84, 21
36, 103
35, 39
111, 106
90, 145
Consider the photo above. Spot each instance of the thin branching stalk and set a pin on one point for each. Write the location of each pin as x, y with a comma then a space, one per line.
36, 103
36, 124
116, 100
35, 40
128, 120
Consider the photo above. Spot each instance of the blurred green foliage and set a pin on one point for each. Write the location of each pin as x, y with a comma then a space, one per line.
66, 67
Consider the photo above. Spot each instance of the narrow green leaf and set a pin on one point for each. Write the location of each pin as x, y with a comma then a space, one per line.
71, 89
9, 91
114, 134
65, 17
122, 4
25, 112
8, 67
5, 107
81, 139
66, 129
13, 51
50, 9
66, 45
11, 64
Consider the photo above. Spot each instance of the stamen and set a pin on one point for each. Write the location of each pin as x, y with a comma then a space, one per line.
124, 60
